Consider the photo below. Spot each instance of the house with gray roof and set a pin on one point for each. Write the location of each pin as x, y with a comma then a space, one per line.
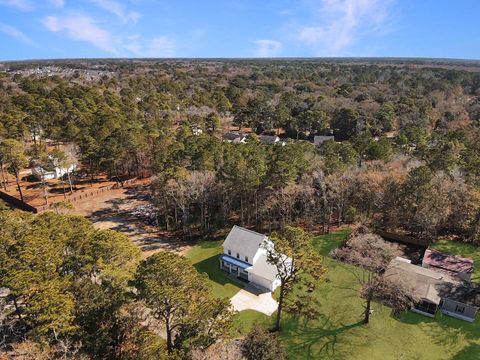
235, 137
320, 139
271, 140
437, 291
245, 255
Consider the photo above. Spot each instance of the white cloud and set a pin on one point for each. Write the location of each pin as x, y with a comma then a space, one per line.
161, 46
267, 48
15, 33
24, 5
118, 10
342, 23
83, 28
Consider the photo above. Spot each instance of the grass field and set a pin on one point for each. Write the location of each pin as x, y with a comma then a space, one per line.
338, 333
461, 249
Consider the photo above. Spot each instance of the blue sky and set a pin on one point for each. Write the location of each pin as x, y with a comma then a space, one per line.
33, 29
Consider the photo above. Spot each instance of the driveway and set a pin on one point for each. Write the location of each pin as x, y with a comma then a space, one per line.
254, 300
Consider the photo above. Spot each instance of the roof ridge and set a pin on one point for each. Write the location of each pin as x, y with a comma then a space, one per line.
253, 232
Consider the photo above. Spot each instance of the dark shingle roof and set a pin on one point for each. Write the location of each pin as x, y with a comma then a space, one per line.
455, 264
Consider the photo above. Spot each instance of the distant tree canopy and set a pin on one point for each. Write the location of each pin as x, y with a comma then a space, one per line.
162, 118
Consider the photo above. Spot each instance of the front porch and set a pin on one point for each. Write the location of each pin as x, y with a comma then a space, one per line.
235, 267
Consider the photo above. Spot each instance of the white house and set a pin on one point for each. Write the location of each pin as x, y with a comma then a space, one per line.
245, 256
56, 173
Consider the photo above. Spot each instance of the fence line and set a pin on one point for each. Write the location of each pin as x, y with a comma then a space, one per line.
82, 194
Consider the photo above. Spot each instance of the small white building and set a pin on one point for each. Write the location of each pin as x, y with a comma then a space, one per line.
245, 256
56, 173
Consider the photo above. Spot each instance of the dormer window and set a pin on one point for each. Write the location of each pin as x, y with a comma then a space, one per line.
238, 256
229, 252
246, 258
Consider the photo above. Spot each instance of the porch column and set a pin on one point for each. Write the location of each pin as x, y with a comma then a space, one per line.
229, 268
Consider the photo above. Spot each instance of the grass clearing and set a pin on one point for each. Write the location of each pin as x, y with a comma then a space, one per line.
461, 249
338, 333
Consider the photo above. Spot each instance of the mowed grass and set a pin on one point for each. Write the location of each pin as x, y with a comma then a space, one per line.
461, 249
338, 333
205, 258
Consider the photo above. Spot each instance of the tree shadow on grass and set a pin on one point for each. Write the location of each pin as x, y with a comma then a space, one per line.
471, 352
314, 342
447, 331
211, 266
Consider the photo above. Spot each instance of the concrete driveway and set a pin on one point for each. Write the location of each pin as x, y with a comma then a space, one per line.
261, 302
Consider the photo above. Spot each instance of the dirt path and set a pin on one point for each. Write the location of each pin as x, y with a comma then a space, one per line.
113, 210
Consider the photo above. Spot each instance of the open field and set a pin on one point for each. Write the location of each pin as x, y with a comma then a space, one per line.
461, 249
338, 333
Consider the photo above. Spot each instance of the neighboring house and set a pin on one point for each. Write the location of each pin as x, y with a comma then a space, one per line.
448, 264
320, 139
57, 172
235, 137
436, 291
271, 140
245, 256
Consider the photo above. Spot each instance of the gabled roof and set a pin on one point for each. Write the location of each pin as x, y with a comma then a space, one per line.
231, 136
269, 139
447, 262
431, 285
248, 240
424, 283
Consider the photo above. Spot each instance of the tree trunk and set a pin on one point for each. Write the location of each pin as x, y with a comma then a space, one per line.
4, 180
63, 186
70, 182
185, 221
366, 318
17, 309
18, 184
241, 209
280, 306
44, 185
168, 330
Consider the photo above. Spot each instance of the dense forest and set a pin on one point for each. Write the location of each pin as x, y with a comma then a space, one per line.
406, 139
405, 158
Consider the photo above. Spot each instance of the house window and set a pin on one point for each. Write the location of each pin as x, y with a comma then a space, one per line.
460, 309
246, 258
238, 256
229, 252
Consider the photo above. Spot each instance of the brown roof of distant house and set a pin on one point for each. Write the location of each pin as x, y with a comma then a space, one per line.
451, 263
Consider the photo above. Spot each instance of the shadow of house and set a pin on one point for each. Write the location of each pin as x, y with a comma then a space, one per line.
211, 268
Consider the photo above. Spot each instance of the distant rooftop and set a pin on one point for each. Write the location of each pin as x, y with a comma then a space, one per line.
431, 285
446, 262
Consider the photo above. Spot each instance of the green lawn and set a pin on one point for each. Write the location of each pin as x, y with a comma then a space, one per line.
461, 249
205, 258
338, 332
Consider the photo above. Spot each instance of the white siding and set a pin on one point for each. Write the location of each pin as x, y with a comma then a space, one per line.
260, 281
